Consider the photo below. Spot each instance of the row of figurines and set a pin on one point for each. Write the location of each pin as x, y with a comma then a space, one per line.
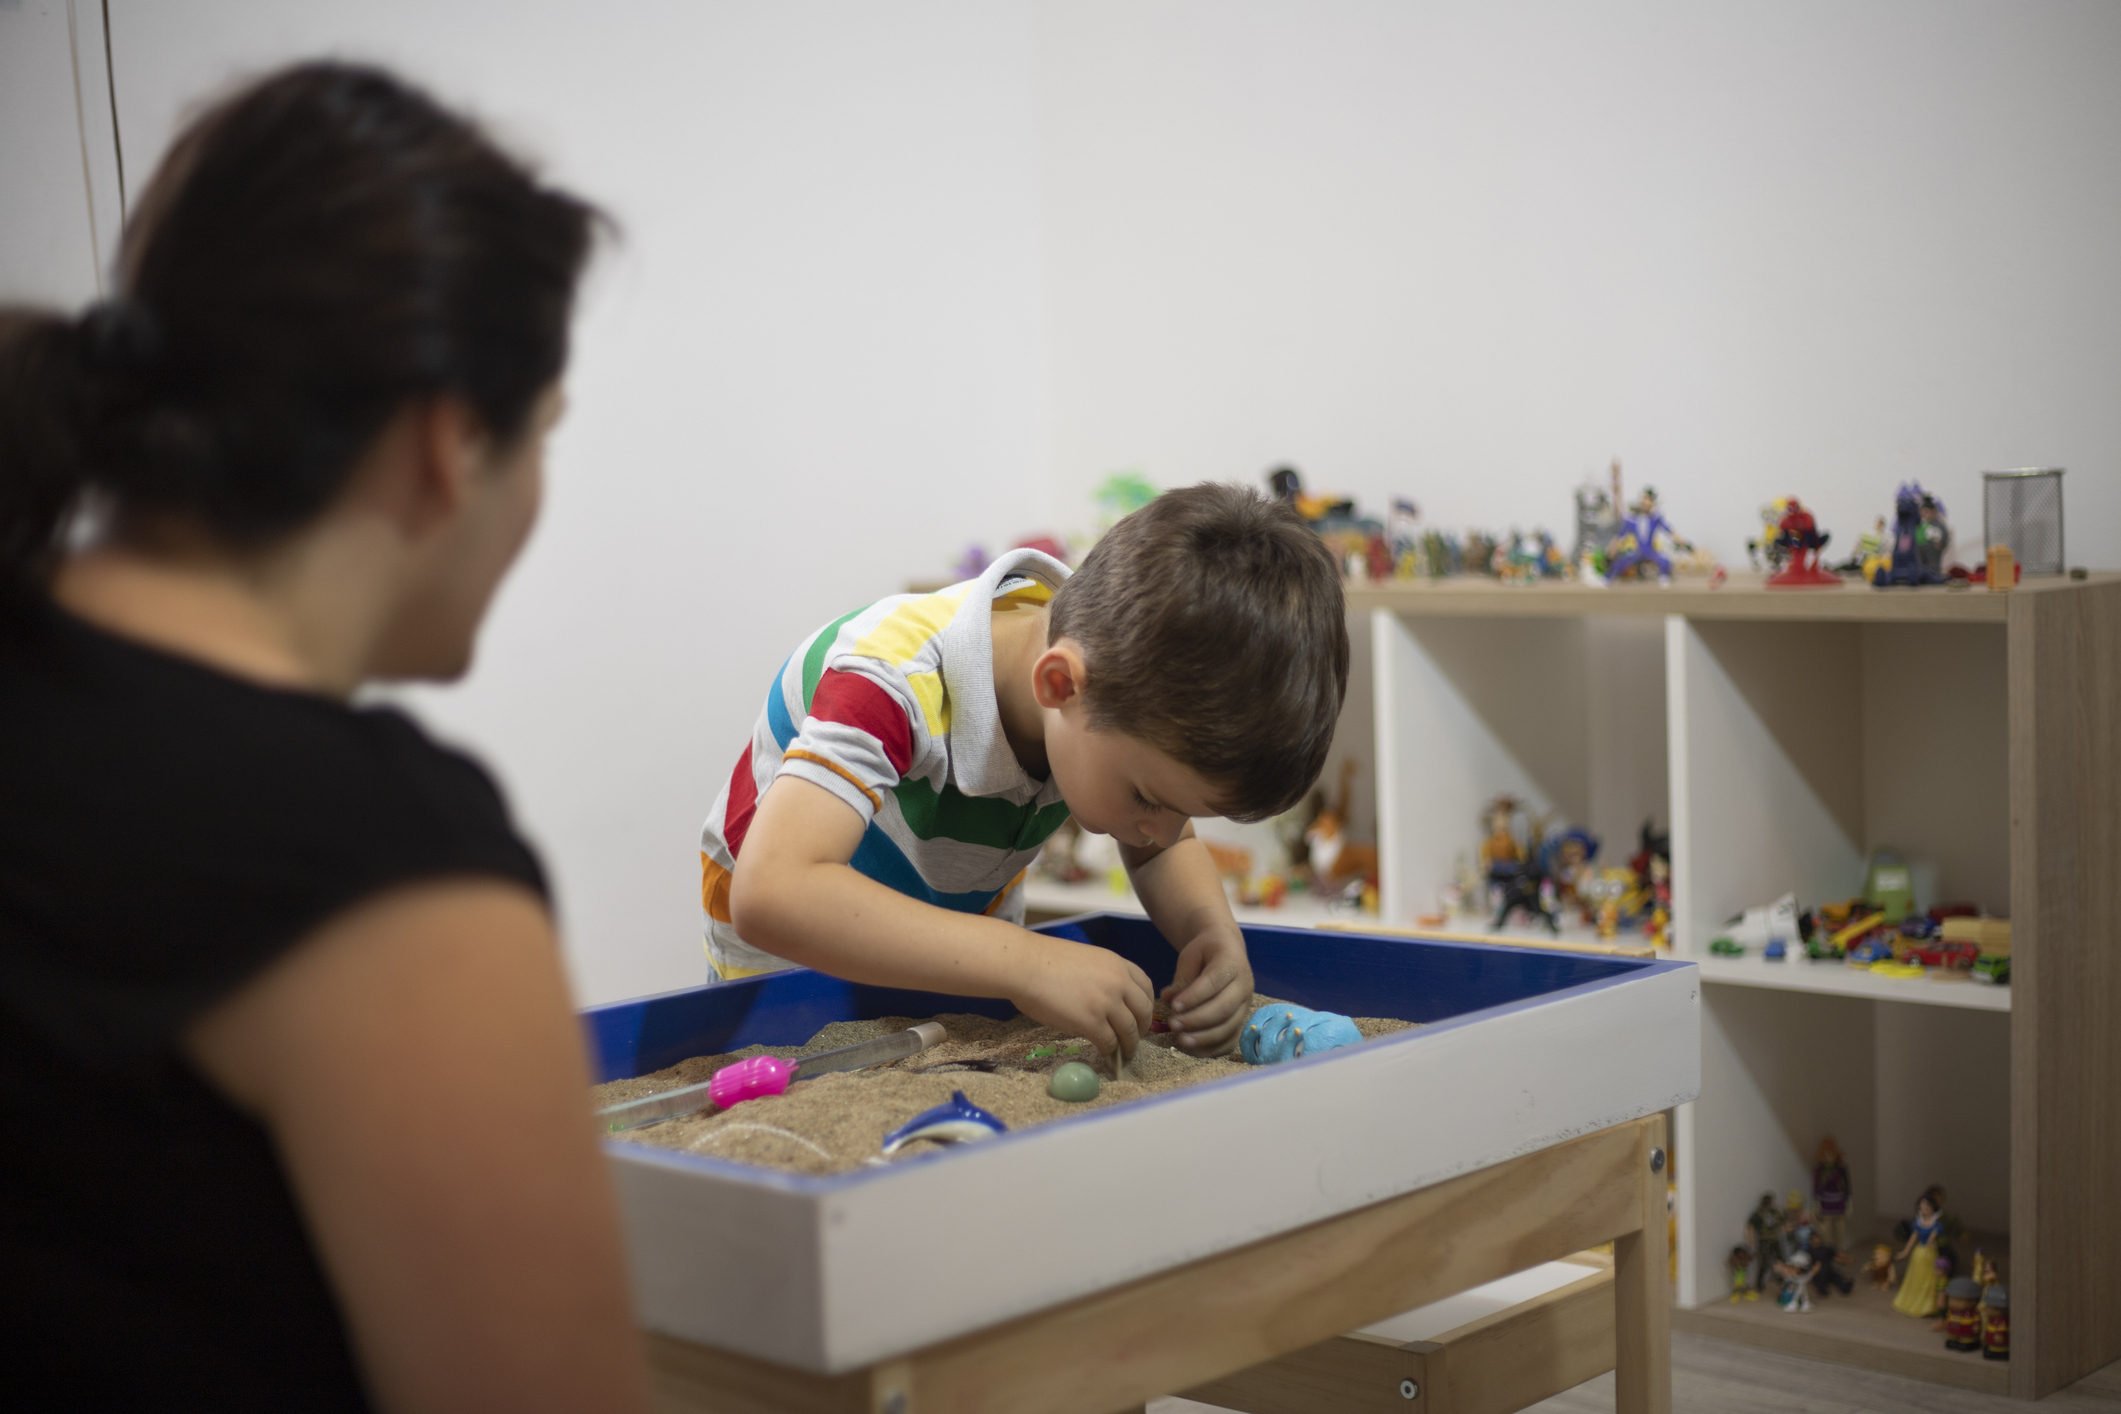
1799, 1247
1532, 866
1619, 539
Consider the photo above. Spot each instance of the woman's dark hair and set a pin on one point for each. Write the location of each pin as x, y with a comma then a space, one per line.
316, 251
1214, 627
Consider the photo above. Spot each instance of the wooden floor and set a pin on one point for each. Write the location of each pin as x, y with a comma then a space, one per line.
1718, 1377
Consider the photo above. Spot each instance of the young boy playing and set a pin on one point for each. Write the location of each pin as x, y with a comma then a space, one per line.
914, 755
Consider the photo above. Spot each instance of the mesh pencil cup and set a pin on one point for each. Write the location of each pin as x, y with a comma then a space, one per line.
2023, 509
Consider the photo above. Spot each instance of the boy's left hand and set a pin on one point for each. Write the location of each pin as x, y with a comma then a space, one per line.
1212, 993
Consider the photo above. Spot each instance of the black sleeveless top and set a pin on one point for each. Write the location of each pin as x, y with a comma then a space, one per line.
166, 831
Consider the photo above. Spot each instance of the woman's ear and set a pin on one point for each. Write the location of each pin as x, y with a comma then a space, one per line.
1057, 677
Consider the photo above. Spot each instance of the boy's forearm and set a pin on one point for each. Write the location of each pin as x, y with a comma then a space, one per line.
830, 917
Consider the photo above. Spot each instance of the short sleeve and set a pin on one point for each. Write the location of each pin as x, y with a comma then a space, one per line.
861, 737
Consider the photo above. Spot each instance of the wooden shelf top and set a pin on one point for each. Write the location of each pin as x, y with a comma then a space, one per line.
1743, 596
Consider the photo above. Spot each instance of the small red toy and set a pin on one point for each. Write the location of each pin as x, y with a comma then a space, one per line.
1799, 535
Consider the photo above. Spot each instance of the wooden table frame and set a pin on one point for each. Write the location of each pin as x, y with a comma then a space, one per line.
1181, 1329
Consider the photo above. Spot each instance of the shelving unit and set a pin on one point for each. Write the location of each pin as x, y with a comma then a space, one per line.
1783, 735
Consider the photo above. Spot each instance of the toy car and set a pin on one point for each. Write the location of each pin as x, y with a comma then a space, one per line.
1724, 947
1776, 950
1870, 950
1942, 954
1994, 968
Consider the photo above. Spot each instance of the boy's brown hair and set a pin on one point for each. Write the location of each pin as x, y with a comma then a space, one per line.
1214, 628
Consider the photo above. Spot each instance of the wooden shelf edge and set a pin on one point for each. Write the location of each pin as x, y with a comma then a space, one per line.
1744, 596
1806, 1336
1827, 979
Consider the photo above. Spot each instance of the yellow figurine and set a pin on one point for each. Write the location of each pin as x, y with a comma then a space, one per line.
1922, 1289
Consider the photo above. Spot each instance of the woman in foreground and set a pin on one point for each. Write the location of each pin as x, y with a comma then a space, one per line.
294, 1099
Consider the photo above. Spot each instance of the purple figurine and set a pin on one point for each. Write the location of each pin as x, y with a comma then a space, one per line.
1636, 544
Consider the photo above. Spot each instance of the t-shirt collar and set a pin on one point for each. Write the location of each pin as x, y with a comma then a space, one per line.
980, 759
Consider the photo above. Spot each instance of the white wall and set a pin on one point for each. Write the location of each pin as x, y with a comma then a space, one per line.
1470, 252
812, 368
58, 165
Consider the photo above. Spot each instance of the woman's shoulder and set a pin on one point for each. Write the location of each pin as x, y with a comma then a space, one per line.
166, 829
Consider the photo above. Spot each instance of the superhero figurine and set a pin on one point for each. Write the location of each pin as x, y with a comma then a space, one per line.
1798, 536
1636, 544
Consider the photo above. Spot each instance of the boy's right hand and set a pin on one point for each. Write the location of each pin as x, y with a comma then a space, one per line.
1086, 991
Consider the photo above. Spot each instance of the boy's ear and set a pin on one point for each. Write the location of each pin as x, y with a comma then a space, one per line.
1057, 676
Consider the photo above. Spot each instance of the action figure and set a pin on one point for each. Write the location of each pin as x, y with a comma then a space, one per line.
1524, 886
1740, 1266
1637, 545
1933, 538
1996, 1324
1764, 1227
1567, 856
1796, 1274
1911, 538
1921, 1290
1501, 847
1830, 1192
1799, 538
1962, 1314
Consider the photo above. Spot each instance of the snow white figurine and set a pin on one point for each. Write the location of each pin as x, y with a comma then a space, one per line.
1922, 1289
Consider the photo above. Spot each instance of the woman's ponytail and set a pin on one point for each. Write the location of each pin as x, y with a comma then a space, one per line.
42, 465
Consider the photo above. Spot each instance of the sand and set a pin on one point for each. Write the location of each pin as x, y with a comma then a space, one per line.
836, 1123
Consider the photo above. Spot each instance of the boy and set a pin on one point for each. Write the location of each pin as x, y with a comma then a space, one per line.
914, 755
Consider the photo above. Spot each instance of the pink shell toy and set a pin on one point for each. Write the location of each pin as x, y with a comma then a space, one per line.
753, 1079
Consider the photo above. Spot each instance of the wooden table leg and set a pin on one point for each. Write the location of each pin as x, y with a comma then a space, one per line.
1642, 1295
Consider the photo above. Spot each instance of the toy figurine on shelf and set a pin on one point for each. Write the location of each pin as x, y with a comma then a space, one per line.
1739, 1267
1915, 540
1764, 1229
1830, 1192
1798, 535
1639, 545
1648, 902
1921, 1290
1568, 856
1501, 846
1597, 522
1524, 886
1880, 1270
1995, 1324
1333, 860
1796, 1273
1828, 1262
1962, 1314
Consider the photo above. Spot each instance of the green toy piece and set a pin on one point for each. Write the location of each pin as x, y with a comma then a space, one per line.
1041, 1053
1724, 947
1889, 885
1073, 1082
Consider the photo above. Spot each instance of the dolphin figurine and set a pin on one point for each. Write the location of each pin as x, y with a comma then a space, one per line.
958, 1122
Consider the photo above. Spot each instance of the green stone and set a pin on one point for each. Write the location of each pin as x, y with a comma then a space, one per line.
1073, 1082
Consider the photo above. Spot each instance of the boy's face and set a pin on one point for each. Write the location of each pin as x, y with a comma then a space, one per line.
1121, 786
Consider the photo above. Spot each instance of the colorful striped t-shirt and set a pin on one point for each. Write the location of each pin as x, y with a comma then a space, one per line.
892, 709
